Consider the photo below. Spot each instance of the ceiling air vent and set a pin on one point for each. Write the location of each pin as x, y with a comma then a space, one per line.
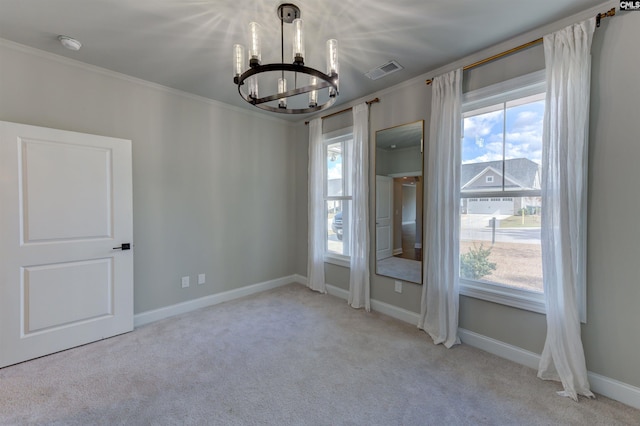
382, 70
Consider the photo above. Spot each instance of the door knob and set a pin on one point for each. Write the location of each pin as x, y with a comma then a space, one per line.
124, 246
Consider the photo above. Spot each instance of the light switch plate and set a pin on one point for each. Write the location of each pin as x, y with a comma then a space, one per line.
185, 282
398, 288
201, 279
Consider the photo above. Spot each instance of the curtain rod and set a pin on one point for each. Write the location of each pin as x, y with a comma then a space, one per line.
599, 17
372, 101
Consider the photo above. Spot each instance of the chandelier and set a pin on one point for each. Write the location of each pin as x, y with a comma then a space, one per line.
305, 80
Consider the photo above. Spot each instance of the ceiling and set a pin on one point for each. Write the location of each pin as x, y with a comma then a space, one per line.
187, 44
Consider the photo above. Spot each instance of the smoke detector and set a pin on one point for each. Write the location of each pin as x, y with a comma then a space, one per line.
384, 70
69, 42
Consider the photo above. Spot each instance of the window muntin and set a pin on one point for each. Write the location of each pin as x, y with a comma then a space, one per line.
500, 194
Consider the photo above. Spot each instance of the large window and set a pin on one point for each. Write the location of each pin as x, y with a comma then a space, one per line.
500, 250
337, 193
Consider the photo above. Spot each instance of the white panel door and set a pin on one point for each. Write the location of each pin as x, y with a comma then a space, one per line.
65, 218
384, 217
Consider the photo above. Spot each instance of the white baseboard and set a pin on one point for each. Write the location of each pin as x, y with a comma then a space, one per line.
611, 388
299, 279
397, 251
498, 348
202, 302
395, 312
603, 385
337, 292
615, 389
382, 307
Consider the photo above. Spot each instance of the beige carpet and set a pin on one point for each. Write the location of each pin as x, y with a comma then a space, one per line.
286, 357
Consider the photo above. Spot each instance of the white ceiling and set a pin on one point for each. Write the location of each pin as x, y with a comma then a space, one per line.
187, 44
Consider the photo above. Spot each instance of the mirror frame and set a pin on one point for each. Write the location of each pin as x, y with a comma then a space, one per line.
407, 173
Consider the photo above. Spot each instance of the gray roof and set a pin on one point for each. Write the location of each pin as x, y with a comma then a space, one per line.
520, 170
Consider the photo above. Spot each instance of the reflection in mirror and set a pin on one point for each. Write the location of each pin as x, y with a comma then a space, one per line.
399, 192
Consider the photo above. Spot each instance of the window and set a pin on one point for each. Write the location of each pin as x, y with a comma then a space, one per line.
500, 250
337, 195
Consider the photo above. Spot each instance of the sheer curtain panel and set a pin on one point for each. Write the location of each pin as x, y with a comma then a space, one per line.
439, 308
315, 261
564, 213
359, 248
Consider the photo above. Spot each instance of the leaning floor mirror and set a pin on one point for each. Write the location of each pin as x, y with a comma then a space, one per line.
398, 203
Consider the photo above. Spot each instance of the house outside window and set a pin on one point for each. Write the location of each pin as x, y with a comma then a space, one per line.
500, 247
337, 195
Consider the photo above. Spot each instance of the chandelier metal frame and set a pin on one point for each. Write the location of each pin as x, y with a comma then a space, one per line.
287, 12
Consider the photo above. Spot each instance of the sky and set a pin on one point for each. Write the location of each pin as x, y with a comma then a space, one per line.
335, 168
334, 164
483, 134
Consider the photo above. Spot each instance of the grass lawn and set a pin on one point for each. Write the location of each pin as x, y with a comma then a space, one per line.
529, 221
518, 265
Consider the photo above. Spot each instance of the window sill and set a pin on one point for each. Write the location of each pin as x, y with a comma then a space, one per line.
337, 259
517, 298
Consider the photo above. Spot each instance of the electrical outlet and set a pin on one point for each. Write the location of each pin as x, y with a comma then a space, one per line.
398, 288
201, 279
185, 282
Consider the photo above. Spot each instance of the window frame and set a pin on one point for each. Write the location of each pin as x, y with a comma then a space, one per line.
519, 87
344, 135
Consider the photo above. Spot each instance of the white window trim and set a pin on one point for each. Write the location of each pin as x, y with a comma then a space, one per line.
526, 85
510, 296
339, 135
337, 259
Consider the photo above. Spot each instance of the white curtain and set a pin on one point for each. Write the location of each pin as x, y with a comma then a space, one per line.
359, 241
317, 209
439, 309
564, 210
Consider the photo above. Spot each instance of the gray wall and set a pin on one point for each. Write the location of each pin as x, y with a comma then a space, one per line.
212, 187
405, 160
396, 162
612, 333
408, 203
611, 336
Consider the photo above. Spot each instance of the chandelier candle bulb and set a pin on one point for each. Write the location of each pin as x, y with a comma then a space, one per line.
253, 87
332, 63
298, 42
255, 54
313, 95
332, 56
282, 87
238, 59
